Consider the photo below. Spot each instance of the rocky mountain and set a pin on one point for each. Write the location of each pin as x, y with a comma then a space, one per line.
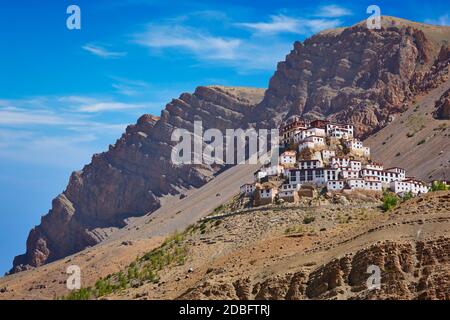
353, 74
329, 258
416, 139
356, 75
443, 107
268, 253
131, 177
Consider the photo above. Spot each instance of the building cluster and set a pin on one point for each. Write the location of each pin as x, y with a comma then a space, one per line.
320, 154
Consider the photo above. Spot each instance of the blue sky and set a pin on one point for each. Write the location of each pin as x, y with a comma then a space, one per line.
65, 95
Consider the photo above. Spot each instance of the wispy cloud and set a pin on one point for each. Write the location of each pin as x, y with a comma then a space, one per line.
65, 151
129, 87
54, 131
76, 100
284, 24
277, 24
333, 11
19, 118
25, 117
443, 20
324, 18
190, 39
242, 54
317, 25
109, 106
67, 111
103, 52
244, 51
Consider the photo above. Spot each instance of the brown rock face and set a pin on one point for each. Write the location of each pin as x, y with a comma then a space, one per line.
356, 75
409, 270
443, 107
129, 179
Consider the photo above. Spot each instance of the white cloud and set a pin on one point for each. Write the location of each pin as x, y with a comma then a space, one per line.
305, 26
278, 24
65, 151
244, 53
67, 111
20, 118
76, 99
241, 54
443, 20
27, 117
317, 25
102, 51
45, 131
108, 106
125, 90
333, 11
129, 87
190, 39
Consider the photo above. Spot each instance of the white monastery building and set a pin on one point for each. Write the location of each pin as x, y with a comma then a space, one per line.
288, 158
337, 161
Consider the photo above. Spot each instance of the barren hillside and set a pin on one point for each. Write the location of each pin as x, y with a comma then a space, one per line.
115, 213
277, 254
288, 252
415, 140
123, 246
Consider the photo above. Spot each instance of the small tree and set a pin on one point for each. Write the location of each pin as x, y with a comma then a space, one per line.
407, 196
308, 219
390, 201
439, 186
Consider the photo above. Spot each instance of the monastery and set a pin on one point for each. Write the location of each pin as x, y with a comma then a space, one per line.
319, 154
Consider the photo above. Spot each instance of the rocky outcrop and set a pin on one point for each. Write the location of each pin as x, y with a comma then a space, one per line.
356, 75
129, 179
409, 270
410, 248
443, 107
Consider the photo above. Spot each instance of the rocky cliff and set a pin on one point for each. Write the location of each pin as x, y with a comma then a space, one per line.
356, 75
350, 75
410, 247
130, 178
442, 111
409, 271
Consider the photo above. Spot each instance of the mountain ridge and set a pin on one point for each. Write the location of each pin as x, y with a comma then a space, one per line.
340, 77
130, 178
356, 75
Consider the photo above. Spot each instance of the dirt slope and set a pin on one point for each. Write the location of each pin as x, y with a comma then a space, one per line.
141, 235
416, 141
134, 175
252, 257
